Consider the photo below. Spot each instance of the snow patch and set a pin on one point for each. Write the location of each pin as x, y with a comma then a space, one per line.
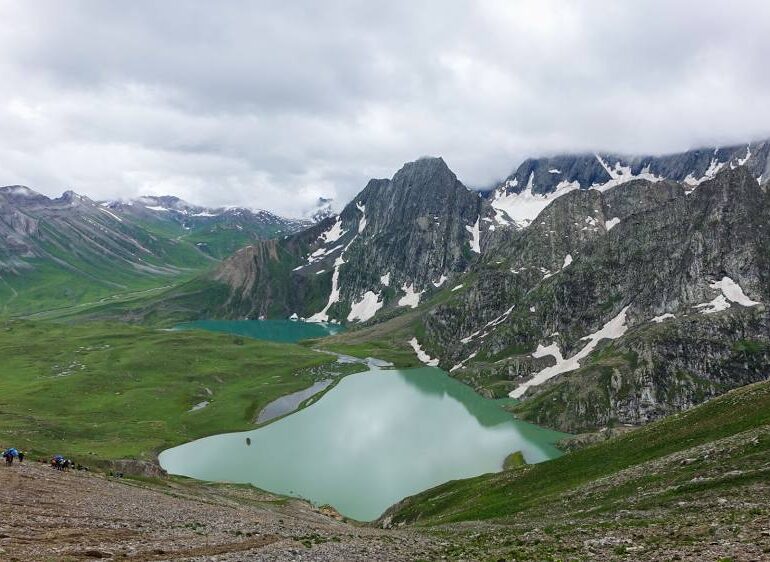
610, 223
385, 279
199, 406
440, 282
457, 287
489, 325
663, 317
421, 355
714, 167
366, 308
567, 261
334, 233
611, 330
719, 304
621, 174
524, 207
411, 298
733, 292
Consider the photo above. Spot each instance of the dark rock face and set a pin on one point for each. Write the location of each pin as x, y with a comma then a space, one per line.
401, 236
663, 256
658, 370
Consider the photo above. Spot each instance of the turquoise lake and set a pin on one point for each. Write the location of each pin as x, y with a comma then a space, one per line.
375, 438
286, 331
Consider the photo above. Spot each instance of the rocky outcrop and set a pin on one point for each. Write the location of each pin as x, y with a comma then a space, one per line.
135, 467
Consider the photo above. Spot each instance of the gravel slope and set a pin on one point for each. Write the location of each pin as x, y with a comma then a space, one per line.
52, 515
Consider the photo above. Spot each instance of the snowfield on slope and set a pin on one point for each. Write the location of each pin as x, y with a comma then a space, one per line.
611, 330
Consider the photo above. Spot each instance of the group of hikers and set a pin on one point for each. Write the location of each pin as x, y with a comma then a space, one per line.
57, 462
12, 453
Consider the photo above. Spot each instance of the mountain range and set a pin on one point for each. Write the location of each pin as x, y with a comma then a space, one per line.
595, 289
67, 250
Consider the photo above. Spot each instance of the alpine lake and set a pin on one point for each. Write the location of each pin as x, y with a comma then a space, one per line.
374, 438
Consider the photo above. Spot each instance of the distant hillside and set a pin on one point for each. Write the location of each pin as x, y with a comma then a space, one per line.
60, 252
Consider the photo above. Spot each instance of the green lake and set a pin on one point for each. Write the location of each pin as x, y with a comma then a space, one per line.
375, 438
286, 331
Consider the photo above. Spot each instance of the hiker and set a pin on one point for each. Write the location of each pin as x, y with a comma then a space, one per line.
57, 462
21, 457
8, 458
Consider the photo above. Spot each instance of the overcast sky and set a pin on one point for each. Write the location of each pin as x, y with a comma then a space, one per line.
273, 104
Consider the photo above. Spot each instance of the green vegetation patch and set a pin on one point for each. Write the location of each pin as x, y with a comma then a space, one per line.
97, 391
503, 495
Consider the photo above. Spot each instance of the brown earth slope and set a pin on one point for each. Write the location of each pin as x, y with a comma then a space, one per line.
50, 515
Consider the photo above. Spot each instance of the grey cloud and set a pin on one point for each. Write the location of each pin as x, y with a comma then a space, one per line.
273, 104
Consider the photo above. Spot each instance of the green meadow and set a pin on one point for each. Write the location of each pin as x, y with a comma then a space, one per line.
100, 391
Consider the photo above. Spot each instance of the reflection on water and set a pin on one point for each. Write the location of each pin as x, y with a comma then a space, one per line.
376, 438
273, 330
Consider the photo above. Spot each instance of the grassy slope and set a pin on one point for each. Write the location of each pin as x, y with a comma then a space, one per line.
103, 391
542, 487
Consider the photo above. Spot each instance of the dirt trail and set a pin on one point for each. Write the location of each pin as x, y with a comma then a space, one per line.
50, 515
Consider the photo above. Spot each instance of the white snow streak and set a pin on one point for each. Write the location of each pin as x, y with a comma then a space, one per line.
622, 174
440, 282
462, 363
457, 287
611, 330
717, 305
567, 261
475, 236
714, 167
488, 326
610, 223
334, 296
663, 317
113, 215
362, 221
421, 355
